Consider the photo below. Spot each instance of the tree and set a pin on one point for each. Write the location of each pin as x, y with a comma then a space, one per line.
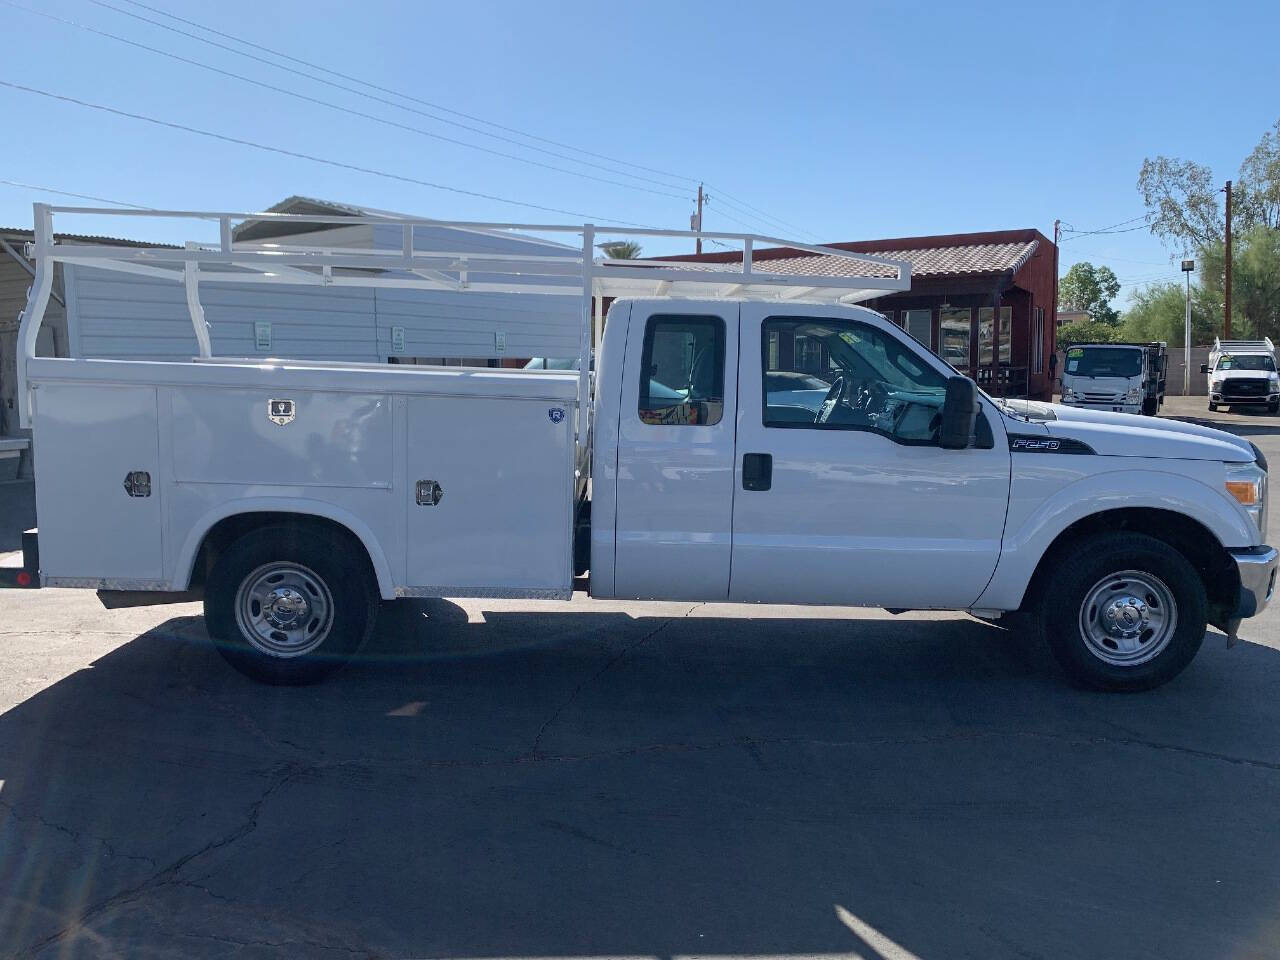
1255, 282
1182, 202
1159, 312
1090, 288
1258, 184
1087, 331
621, 250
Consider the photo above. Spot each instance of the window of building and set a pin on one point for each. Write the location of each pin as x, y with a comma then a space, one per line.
954, 332
869, 380
919, 324
1005, 336
986, 336
889, 315
682, 364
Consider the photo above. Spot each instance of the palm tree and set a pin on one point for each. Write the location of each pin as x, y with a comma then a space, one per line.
620, 250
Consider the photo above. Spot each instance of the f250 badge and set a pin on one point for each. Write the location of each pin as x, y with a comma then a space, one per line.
280, 411
1023, 443
556, 414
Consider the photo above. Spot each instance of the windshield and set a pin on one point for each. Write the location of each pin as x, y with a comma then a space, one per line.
1248, 361
1104, 362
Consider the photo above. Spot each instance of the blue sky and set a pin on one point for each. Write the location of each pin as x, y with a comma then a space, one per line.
850, 120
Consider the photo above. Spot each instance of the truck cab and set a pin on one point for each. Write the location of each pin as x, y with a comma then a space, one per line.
1242, 373
1118, 377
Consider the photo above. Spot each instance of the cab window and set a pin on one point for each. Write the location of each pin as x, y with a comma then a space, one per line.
821, 374
682, 371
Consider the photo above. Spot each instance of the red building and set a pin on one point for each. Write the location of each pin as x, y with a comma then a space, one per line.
982, 301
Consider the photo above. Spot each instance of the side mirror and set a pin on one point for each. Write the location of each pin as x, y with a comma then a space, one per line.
1204, 368
959, 412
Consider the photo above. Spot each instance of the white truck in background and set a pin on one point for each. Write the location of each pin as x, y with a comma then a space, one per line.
294, 496
1119, 377
1242, 373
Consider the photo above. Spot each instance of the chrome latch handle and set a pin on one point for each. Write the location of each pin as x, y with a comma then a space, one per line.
429, 493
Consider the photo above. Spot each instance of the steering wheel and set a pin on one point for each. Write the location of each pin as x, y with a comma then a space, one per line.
829, 402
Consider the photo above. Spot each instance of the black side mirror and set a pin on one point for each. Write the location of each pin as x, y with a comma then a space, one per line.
1204, 368
959, 412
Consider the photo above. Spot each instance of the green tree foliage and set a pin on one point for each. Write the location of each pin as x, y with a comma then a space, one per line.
1089, 288
1088, 331
1158, 312
621, 250
1182, 202
1255, 282
1258, 184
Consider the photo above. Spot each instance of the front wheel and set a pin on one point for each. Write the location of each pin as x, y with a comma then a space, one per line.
1123, 611
1273, 408
287, 605
1213, 407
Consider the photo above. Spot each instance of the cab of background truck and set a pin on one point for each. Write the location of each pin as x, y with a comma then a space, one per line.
1243, 372
1105, 376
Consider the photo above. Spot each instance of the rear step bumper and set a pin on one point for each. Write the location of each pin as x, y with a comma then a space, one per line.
27, 576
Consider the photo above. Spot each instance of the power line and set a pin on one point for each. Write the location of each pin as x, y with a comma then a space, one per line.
68, 193
335, 106
374, 86
283, 151
435, 106
1113, 228
360, 93
743, 205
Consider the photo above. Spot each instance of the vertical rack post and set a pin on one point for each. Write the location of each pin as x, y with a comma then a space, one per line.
33, 313
584, 338
191, 280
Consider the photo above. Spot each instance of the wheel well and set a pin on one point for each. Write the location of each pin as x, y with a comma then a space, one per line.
1189, 537
229, 529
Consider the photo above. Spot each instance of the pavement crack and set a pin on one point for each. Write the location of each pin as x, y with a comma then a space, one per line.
168, 876
614, 660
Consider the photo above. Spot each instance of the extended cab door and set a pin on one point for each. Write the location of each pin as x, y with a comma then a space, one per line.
675, 452
842, 494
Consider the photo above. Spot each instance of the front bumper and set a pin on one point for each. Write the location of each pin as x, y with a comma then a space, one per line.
1111, 406
1229, 399
1257, 569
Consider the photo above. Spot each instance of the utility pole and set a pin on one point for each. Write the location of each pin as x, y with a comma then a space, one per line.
1187, 267
1226, 312
1053, 322
698, 221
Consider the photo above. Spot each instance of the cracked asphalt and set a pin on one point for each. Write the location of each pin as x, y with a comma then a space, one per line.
600, 779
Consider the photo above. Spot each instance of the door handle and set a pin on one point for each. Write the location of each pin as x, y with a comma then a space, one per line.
757, 471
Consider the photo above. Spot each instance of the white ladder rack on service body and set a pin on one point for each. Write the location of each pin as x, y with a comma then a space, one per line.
566, 271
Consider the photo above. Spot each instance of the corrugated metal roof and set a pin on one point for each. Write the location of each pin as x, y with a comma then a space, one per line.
23, 234
956, 260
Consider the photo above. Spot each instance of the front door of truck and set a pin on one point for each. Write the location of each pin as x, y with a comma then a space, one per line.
675, 453
842, 494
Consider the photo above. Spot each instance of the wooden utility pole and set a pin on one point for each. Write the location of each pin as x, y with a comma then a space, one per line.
1053, 323
1226, 310
698, 242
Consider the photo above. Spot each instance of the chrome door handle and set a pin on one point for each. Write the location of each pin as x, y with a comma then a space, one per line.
428, 493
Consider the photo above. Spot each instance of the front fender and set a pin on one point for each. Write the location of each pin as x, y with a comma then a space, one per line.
1034, 521
186, 558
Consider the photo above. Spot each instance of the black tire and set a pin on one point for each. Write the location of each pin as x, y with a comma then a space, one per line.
1213, 407
336, 613
1087, 565
1273, 408
1149, 407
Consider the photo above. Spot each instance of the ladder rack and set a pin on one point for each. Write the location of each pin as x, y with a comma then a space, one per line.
574, 271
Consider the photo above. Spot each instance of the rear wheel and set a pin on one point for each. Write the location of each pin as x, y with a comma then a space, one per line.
289, 605
1123, 611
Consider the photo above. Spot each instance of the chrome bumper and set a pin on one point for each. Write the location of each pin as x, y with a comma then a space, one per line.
1257, 568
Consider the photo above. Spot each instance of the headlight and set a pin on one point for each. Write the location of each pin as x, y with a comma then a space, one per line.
1134, 394
1215, 386
1067, 394
1274, 382
1247, 483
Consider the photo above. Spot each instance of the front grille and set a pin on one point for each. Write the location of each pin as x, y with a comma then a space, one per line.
1245, 388
1103, 398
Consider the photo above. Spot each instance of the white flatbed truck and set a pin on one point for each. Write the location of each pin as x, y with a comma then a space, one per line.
294, 496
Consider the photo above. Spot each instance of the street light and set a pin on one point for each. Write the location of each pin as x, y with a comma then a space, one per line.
1187, 267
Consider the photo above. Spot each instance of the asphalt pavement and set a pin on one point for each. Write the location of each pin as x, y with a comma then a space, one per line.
599, 779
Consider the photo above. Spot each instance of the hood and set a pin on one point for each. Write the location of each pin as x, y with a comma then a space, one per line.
1130, 434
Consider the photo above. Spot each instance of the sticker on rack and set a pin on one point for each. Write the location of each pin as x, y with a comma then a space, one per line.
556, 414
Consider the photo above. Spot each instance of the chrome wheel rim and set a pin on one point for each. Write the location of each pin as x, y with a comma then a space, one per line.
1128, 618
284, 609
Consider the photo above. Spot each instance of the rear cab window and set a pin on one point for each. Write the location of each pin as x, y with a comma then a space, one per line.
682, 371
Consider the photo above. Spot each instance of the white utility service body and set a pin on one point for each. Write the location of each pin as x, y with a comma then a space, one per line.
904, 488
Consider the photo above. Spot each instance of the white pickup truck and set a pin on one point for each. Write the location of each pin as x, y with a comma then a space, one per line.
293, 496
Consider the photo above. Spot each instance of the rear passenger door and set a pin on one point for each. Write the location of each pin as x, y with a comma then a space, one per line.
672, 538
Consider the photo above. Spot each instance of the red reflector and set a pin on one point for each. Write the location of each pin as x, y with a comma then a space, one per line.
24, 578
